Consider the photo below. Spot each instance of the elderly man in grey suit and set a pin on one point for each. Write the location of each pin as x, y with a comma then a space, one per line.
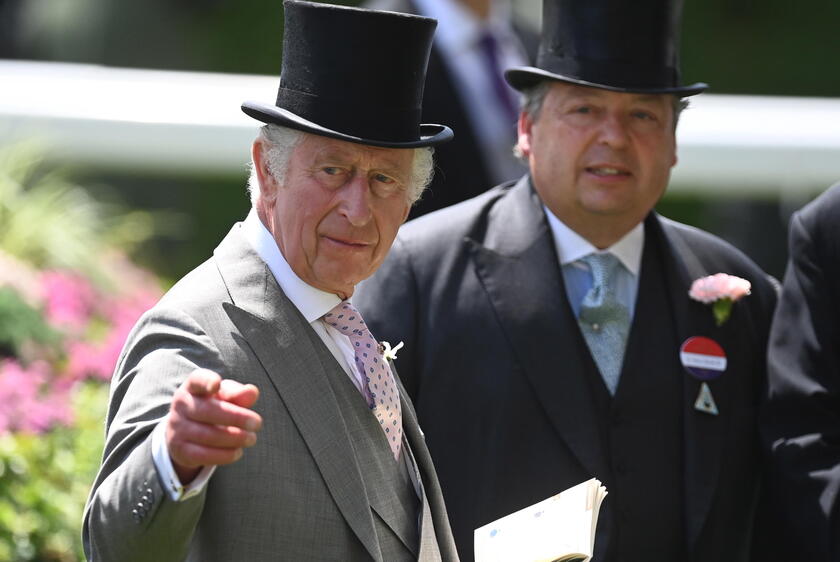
340, 470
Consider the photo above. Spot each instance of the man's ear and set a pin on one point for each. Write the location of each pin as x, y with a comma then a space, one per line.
523, 130
268, 185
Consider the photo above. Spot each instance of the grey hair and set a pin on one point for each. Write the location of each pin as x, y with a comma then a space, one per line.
281, 142
531, 103
532, 99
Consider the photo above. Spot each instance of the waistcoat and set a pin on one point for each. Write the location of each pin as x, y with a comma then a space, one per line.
642, 429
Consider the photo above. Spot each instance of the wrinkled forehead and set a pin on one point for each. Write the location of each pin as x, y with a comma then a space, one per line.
316, 147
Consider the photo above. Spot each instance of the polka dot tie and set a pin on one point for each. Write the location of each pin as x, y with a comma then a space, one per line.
603, 320
380, 387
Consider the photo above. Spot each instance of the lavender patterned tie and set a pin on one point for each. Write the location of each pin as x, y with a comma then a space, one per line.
380, 388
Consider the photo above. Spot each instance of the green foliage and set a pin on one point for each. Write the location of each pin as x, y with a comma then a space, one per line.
772, 47
68, 296
50, 222
20, 323
44, 482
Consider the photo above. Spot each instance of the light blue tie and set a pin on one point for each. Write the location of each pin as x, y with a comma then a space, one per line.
603, 320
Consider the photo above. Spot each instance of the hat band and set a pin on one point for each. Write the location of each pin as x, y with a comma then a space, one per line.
619, 74
377, 122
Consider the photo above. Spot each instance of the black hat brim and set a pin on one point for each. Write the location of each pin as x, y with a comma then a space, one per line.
524, 77
430, 134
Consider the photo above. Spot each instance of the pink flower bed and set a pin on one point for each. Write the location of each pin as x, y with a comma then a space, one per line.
32, 399
93, 325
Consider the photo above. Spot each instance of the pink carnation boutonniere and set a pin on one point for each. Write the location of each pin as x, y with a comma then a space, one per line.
720, 290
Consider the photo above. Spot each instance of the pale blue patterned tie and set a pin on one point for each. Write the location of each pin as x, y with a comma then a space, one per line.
380, 388
603, 320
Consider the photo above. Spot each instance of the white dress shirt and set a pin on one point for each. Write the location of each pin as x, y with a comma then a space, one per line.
311, 302
571, 247
457, 36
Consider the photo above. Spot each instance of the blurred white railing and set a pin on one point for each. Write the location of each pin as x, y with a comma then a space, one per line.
184, 122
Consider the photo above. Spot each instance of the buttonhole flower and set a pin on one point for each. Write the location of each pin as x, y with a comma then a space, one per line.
719, 290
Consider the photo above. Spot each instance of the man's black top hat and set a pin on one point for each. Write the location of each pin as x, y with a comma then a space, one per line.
619, 45
355, 75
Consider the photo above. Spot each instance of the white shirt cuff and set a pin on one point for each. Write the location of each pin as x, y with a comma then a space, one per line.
166, 472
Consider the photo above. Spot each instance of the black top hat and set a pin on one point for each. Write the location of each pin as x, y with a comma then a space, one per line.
355, 75
619, 45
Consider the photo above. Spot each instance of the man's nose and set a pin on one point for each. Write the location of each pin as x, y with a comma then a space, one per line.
356, 200
614, 131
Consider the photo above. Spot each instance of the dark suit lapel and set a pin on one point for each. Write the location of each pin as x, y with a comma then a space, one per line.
432, 495
276, 332
518, 267
703, 433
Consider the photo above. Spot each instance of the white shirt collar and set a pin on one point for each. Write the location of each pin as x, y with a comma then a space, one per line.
571, 246
458, 29
311, 302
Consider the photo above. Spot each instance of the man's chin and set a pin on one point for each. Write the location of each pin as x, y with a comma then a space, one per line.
340, 284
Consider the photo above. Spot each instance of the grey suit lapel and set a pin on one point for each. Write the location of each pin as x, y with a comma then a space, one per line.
518, 267
703, 433
275, 330
388, 491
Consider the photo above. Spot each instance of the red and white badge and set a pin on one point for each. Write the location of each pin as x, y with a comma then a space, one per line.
703, 358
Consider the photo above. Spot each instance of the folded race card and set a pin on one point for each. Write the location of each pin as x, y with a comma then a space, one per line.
560, 528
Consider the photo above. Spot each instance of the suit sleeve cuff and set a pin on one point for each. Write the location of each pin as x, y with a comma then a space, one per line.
166, 472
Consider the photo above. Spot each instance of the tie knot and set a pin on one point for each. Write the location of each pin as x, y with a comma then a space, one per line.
602, 266
346, 319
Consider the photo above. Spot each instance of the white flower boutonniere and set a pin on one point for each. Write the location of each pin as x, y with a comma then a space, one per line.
720, 290
389, 352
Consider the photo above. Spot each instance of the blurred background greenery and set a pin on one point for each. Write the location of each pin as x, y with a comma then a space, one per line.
769, 47
84, 249
69, 294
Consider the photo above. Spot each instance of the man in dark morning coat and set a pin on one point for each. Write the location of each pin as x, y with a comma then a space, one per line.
468, 165
340, 470
802, 421
485, 296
